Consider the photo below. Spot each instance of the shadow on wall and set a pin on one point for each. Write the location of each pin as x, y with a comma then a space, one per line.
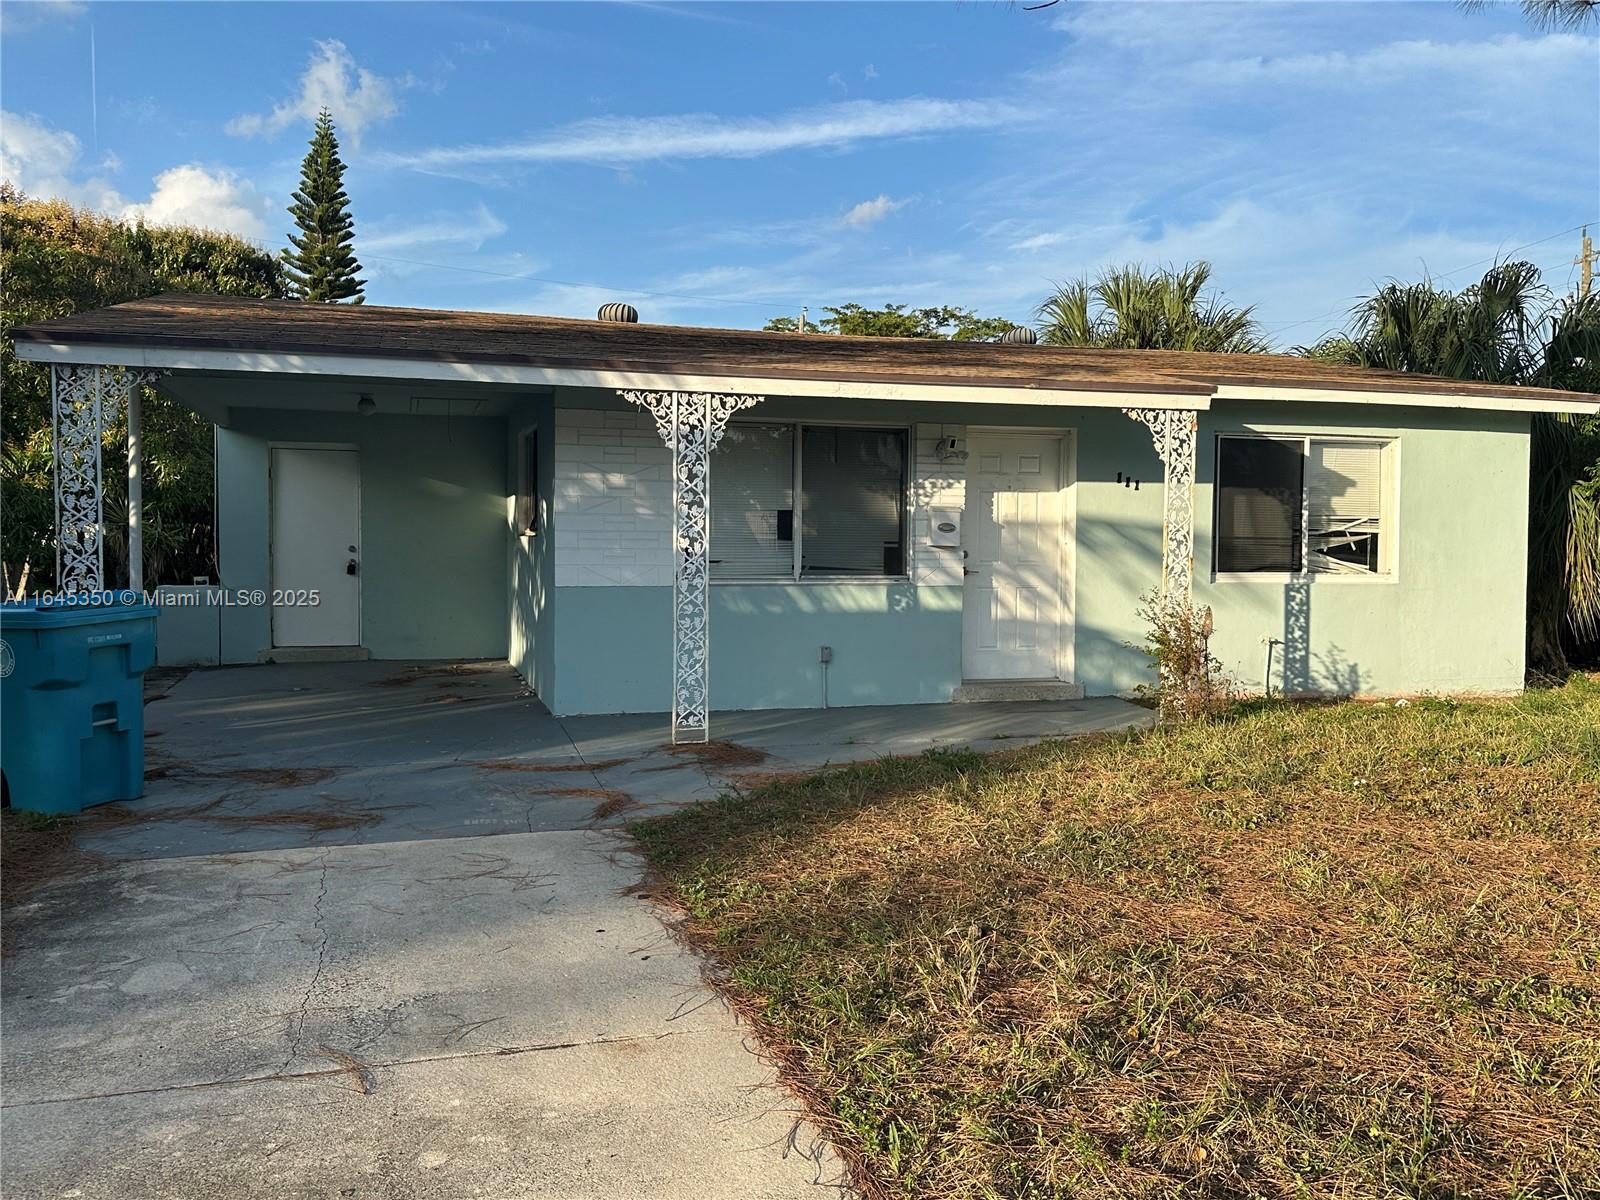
1303, 671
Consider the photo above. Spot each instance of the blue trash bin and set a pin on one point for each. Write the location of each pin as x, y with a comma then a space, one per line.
72, 701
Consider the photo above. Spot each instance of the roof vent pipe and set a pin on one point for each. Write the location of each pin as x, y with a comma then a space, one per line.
1020, 334
625, 314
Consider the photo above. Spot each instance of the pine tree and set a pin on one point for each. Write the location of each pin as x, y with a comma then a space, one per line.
322, 266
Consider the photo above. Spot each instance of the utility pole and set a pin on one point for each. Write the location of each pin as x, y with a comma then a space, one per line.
1586, 261
803, 309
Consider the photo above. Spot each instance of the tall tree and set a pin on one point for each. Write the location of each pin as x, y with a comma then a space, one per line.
56, 260
944, 321
1138, 308
1508, 328
1551, 14
321, 264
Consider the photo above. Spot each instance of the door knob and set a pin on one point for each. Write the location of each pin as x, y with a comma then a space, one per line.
352, 567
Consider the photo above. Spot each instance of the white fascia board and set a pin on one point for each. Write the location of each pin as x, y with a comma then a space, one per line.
1532, 404
160, 358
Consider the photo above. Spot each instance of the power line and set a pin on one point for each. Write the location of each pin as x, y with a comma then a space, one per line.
1507, 254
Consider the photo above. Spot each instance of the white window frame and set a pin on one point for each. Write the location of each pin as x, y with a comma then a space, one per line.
1389, 546
795, 578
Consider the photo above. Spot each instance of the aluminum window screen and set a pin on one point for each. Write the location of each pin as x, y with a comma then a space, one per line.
852, 484
752, 503
850, 519
1259, 500
1344, 506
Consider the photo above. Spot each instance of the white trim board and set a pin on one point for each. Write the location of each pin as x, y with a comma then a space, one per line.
1294, 395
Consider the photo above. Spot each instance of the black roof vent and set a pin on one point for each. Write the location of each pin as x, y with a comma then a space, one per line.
626, 314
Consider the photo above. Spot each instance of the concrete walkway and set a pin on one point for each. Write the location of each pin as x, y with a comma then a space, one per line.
370, 934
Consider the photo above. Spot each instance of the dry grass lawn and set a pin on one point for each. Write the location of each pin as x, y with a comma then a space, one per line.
1325, 951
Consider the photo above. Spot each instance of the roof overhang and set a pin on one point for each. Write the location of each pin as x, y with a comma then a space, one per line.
537, 377
930, 389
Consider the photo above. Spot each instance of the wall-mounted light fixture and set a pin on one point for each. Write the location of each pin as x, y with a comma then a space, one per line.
951, 450
366, 406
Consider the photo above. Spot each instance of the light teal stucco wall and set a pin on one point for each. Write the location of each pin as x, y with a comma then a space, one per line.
531, 560
188, 626
892, 644
1451, 618
433, 528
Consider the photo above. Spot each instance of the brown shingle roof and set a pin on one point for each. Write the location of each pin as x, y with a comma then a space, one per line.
187, 321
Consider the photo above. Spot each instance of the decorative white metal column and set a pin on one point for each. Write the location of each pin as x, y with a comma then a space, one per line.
1174, 431
79, 397
691, 424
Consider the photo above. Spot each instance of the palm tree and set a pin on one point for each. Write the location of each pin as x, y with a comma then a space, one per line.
1508, 328
1136, 308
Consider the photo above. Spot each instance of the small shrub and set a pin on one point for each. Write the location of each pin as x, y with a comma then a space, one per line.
1190, 682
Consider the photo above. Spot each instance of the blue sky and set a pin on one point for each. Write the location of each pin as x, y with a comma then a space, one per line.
722, 163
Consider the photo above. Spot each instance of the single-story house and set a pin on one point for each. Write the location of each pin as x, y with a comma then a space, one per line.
642, 518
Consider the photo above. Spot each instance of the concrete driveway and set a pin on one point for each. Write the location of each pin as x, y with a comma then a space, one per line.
370, 933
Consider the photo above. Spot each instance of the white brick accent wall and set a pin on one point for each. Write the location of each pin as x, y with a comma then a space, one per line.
613, 501
935, 484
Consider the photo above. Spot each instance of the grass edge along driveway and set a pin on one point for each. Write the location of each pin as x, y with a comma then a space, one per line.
1312, 950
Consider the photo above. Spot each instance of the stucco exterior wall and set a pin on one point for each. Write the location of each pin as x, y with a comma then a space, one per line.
1450, 618
433, 528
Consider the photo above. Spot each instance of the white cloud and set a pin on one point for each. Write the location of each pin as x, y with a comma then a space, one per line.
1507, 58
44, 162
192, 195
355, 96
645, 139
25, 16
29, 150
438, 230
870, 212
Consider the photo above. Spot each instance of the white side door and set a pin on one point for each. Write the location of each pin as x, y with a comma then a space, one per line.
1011, 599
316, 547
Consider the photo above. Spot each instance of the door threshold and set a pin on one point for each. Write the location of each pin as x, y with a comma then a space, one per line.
987, 691
314, 654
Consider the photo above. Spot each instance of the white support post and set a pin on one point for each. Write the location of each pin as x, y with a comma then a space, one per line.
1175, 431
79, 395
135, 492
691, 424
75, 400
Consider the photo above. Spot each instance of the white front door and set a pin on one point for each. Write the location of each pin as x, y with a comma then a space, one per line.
1011, 602
316, 547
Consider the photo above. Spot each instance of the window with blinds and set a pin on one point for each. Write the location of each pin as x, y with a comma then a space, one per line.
850, 519
1286, 505
1259, 490
752, 503
852, 501
1344, 506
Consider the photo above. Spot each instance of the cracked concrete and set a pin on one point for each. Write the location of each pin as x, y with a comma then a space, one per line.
445, 990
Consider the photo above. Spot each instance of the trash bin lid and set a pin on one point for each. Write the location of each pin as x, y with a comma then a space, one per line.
93, 608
